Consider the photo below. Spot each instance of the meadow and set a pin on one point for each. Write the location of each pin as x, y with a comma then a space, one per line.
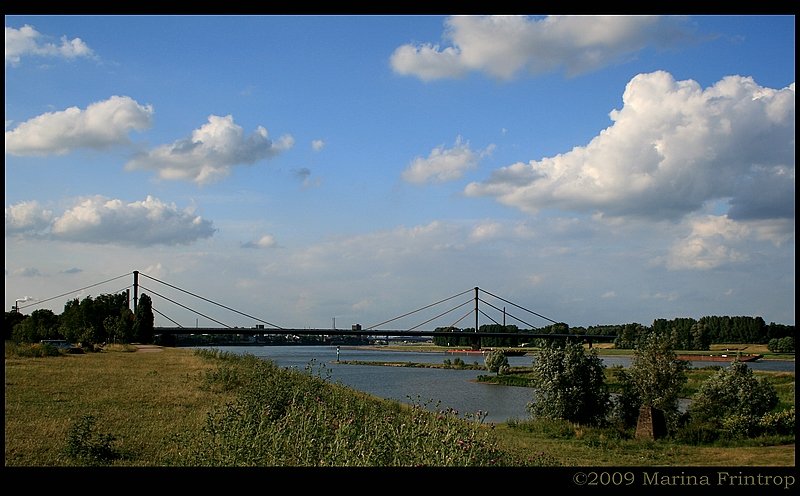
173, 407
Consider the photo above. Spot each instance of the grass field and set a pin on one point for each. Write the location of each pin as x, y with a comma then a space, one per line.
153, 407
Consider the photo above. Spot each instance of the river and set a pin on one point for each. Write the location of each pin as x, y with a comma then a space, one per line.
430, 387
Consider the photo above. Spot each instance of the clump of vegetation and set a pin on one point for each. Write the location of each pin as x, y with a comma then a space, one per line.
89, 322
457, 363
287, 417
496, 361
781, 345
736, 404
655, 379
31, 350
570, 385
86, 445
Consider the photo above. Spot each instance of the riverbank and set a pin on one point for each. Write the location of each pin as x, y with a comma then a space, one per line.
602, 349
156, 407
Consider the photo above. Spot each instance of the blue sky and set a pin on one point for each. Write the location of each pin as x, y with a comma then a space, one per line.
299, 169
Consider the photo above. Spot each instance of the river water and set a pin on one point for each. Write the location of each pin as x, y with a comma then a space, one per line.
430, 387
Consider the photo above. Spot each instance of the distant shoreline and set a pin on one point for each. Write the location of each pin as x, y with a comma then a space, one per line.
600, 351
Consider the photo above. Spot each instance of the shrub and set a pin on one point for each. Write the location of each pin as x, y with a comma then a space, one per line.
36, 350
570, 385
780, 423
740, 425
87, 445
494, 360
781, 345
733, 391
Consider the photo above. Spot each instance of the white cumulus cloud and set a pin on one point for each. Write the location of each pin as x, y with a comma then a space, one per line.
486, 230
317, 145
444, 164
265, 241
27, 217
672, 148
716, 240
210, 152
27, 41
503, 46
100, 125
101, 220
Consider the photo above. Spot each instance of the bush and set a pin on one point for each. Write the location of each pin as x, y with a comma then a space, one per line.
733, 391
779, 423
740, 425
37, 350
494, 360
570, 385
87, 445
781, 345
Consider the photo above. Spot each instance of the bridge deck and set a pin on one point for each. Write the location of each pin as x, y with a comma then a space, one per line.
373, 332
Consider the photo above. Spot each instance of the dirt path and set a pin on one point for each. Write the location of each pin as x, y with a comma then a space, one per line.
148, 347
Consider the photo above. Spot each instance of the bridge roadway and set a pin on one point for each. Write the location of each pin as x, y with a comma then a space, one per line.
374, 332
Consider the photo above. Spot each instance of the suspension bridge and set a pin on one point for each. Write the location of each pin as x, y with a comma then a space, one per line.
475, 297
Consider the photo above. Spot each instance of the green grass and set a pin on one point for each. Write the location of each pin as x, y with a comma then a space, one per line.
144, 400
175, 407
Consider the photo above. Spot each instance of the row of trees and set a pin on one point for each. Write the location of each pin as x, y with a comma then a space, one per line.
104, 319
685, 333
461, 337
570, 385
690, 334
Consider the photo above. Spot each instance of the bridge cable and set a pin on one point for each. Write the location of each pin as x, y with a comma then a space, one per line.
184, 306
508, 314
73, 291
523, 308
488, 317
119, 291
210, 301
161, 314
459, 320
444, 313
417, 310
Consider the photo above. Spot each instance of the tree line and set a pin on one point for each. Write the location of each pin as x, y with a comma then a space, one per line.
89, 322
685, 333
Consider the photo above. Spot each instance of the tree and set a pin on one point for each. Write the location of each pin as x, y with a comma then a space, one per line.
626, 403
496, 360
658, 376
120, 328
654, 379
93, 321
628, 336
143, 320
41, 324
700, 338
781, 345
733, 391
570, 384
11, 320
